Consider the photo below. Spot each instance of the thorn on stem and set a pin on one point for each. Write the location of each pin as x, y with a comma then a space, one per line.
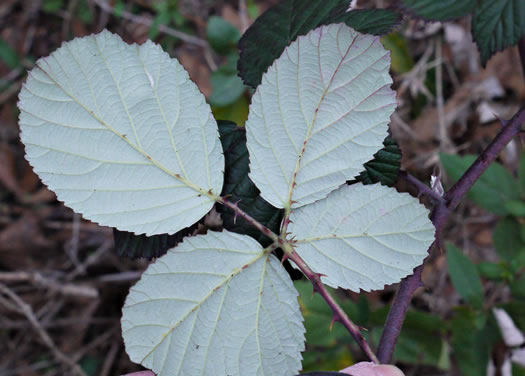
284, 258
335, 318
236, 214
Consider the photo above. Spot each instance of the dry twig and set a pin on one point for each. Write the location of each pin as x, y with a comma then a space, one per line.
27, 311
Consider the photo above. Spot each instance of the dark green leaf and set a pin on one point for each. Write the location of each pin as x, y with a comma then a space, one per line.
241, 189
384, 168
518, 263
472, 341
516, 311
132, 246
273, 31
417, 342
442, 10
518, 288
222, 35
507, 239
494, 187
423, 321
497, 25
84, 12
465, 277
515, 207
415, 348
8, 55
52, 6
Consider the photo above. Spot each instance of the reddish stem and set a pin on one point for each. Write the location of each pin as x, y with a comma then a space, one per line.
439, 216
339, 314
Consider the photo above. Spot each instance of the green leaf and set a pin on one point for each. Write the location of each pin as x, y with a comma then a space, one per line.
218, 304
384, 168
227, 88
236, 112
517, 370
464, 276
321, 112
423, 321
274, 30
122, 135
362, 236
507, 239
443, 10
402, 61
517, 288
318, 316
470, 342
516, 311
497, 25
52, 6
417, 342
84, 12
8, 55
333, 358
515, 207
222, 35
493, 188
160, 19
240, 188
417, 348
493, 270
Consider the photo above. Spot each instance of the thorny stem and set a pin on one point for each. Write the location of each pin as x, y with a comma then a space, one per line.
287, 247
421, 187
241, 213
339, 314
439, 216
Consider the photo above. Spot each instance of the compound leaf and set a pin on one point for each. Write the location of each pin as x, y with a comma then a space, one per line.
497, 25
122, 135
443, 10
321, 112
218, 304
269, 35
362, 236
240, 189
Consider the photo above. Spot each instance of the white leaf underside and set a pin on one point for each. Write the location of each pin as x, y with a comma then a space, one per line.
122, 135
363, 236
215, 305
321, 111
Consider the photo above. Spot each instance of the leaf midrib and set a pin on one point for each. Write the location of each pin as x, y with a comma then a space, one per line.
156, 163
195, 308
293, 183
